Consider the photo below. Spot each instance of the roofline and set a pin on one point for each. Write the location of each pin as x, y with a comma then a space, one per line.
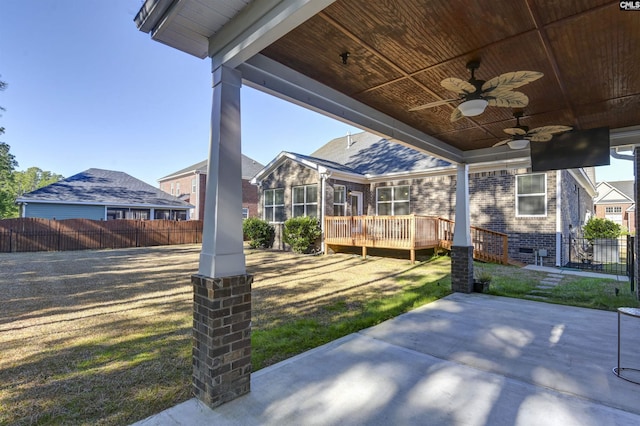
34, 201
177, 175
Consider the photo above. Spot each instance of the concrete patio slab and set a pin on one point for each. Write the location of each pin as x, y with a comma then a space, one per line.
463, 360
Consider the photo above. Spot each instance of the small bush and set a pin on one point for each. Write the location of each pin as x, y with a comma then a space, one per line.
301, 233
601, 228
259, 232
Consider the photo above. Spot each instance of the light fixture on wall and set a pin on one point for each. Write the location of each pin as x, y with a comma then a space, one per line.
473, 107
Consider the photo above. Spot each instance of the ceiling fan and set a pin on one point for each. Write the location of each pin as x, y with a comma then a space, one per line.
521, 135
477, 94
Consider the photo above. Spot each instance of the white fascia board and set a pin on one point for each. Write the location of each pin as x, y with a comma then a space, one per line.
349, 177
499, 154
266, 75
258, 26
584, 181
625, 137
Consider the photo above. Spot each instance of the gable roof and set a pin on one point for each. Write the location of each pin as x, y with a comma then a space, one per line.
103, 187
250, 168
615, 192
362, 157
369, 154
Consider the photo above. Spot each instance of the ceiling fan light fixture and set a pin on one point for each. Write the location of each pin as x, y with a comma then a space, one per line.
518, 143
473, 107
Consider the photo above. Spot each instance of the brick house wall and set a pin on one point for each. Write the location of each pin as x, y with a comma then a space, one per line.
628, 222
492, 206
492, 203
249, 193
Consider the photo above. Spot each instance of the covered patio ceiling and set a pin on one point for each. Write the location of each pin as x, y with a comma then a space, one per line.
400, 51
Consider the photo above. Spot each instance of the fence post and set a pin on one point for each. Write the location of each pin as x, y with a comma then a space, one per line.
10, 241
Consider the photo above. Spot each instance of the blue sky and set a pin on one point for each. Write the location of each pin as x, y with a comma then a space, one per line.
87, 89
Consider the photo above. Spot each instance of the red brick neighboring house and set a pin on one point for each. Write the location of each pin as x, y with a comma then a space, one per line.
615, 202
189, 184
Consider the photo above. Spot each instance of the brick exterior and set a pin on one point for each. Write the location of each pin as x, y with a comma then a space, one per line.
462, 269
628, 218
221, 338
249, 193
636, 173
492, 204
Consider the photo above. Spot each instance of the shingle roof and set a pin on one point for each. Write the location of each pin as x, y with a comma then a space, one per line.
249, 169
102, 187
624, 186
366, 153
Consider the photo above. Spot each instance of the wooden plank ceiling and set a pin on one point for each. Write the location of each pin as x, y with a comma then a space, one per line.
400, 51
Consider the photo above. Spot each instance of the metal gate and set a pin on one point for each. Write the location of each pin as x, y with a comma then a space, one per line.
604, 255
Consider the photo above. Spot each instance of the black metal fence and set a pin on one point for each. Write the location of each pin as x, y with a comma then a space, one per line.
605, 255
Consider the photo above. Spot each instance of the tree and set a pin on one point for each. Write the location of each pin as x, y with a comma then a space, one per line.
8, 164
32, 179
601, 228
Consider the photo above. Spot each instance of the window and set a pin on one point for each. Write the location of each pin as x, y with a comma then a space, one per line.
274, 205
172, 191
339, 200
245, 213
305, 201
178, 189
392, 200
531, 195
613, 209
193, 185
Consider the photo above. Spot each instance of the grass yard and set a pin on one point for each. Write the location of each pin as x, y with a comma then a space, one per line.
104, 337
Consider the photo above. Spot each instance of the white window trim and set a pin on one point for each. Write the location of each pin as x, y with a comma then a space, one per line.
305, 203
265, 205
517, 196
344, 204
393, 201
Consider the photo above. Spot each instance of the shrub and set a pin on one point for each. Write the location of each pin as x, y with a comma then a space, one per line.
259, 232
301, 233
601, 228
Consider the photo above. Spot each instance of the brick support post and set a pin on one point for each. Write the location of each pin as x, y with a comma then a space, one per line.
462, 269
221, 338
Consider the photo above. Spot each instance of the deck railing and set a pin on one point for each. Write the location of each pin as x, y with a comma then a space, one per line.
409, 232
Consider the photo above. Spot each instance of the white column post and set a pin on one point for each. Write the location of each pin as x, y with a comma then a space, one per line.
462, 228
222, 251
462, 249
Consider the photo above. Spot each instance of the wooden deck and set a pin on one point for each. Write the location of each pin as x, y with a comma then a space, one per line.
410, 232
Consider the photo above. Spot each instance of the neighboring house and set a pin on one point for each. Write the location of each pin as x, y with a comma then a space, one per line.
364, 174
189, 184
615, 201
102, 195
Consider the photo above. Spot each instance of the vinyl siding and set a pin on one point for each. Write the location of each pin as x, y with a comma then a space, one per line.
64, 211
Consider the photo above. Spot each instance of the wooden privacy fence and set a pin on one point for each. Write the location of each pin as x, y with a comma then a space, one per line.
33, 234
410, 232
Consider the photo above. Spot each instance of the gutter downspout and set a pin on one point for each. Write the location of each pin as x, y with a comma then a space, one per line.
324, 175
615, 154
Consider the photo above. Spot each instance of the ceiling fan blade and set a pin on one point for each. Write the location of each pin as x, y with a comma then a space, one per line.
433, 104
502, 142
511, 80
507, 99
515, 131
550, 129
540, 137
456, 115
458, 86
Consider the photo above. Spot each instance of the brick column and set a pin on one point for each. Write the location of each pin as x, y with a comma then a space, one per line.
221, 338
462, 269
